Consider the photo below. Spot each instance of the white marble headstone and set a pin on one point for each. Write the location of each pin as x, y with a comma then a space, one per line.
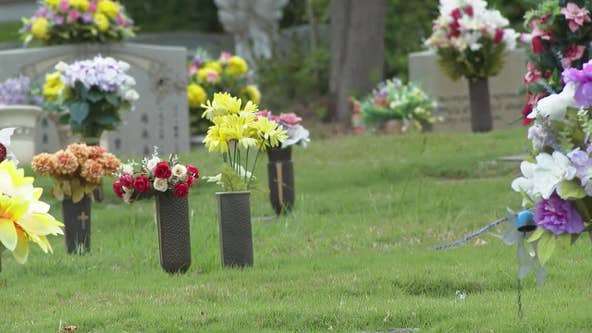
160, 117
453, 96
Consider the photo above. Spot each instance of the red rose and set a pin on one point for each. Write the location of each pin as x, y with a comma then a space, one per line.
3, 152
469, 10
181, 190
118, 189
192, 171
126, 180
537, 45
526, 110
499, 35
142, 184
456, 13
162, 170
190, 180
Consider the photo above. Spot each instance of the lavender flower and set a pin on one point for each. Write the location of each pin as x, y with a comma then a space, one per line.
540, 137
15, 91
558, 216
583, 163
583, 79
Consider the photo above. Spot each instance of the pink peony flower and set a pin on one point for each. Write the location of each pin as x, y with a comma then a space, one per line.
575, 16
571, 54
532, 74
290, 119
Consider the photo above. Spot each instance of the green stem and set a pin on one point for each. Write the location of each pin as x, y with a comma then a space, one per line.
247, 163
253, 170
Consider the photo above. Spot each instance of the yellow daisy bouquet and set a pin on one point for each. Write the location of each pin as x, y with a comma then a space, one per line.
240, 136
207, 76
77, 21
23, 217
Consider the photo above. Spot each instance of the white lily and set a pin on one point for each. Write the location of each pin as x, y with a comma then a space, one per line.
554, 106
542, 178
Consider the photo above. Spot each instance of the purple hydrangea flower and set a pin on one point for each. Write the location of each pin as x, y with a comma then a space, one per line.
558, 216
15, 91
583, 79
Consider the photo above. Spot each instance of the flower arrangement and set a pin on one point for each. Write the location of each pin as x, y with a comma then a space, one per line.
237, 133
470, 39
142, 180
208, 76
77, 170
556, 183
90, 94
395, 100
24, 217
77, 21
297, 134
560, 34
16, 91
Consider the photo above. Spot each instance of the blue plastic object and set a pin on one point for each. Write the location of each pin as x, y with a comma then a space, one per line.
525, 221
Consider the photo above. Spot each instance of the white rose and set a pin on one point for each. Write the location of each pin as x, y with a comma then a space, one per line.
160, 184
151, 164
180, 171
127, 168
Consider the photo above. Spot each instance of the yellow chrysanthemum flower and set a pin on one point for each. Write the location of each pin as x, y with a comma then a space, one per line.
40, 28
237, 66
23, 217
80, 4
53, 86
253, 93
196, 95
109, 8
215, 140
269, 133
213, 65
101, 21
208, 75
52, 4
222, 104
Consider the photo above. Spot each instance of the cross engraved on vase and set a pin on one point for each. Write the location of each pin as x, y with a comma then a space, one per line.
83, 218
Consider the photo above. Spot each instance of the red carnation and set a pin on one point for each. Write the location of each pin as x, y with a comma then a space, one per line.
526, 110
3, 152
456, 13
193, 171
126, 180
118, 189
499, 35
142, 184
190, 180
162, 170
469, 10
181, 190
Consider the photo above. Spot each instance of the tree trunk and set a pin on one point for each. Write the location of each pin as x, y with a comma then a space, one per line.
357, 52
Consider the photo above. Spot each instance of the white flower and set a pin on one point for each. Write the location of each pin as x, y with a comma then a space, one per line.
543, 177
510, 37
5, 135
297, 135
179, 171
554, 106
61, 67
123, 65
131, 95
160, 184
151, 163
127, 168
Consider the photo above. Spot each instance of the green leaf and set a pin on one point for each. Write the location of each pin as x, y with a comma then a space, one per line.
570, 190
536, 235
78, 112
545, 247
94, 96
112, 99
106, 119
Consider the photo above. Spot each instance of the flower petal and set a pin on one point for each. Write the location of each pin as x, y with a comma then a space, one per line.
8, 236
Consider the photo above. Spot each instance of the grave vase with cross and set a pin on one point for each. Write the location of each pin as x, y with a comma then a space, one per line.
280, 171
77, 217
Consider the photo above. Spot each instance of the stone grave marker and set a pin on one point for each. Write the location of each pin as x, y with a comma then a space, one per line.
453, 96
161, 115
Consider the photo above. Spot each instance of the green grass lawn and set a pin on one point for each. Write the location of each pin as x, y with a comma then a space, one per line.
356, 255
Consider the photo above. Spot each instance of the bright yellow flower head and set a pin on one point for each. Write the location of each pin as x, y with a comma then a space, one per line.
213, 65
23, 217
237, 66
53, 86
215, 139
269, 133
52, 4
222, 104
80, 4
196, 95
40, 28
109, 8
101, 21
253, 93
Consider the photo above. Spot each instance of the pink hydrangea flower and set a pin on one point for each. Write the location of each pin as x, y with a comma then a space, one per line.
571, 54
290, 119
575, 16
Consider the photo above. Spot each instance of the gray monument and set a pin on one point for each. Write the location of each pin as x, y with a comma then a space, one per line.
160, 117
453, 96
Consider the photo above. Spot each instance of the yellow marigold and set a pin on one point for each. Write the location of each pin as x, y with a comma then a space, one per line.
237, 66
53, 86
95, 152
109, 8
92, 171
44, 164
101, 21
110, 163
253, 93
80, 150
52, 4
66, 163
196, 95
40, 28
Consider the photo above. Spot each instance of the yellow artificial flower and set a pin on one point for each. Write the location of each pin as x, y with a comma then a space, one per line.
237, 66
109, 8
215, 140
23, 217
80, 4
236, 128
253, 93
40, 28
196, 95
53, 86
52, 4
213, 65
101, 21
222, 104
269, 133
207, 75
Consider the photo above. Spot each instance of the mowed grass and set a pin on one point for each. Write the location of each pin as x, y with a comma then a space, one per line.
356, 255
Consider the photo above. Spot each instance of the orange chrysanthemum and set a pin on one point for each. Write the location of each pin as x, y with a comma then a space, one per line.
110, 163
80, 150
44, 164
92, 171
66, 162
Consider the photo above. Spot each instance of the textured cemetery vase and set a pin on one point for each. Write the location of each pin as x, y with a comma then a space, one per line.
234, 221
481, 120
77, 224
280, 171
172, 216
24, 119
